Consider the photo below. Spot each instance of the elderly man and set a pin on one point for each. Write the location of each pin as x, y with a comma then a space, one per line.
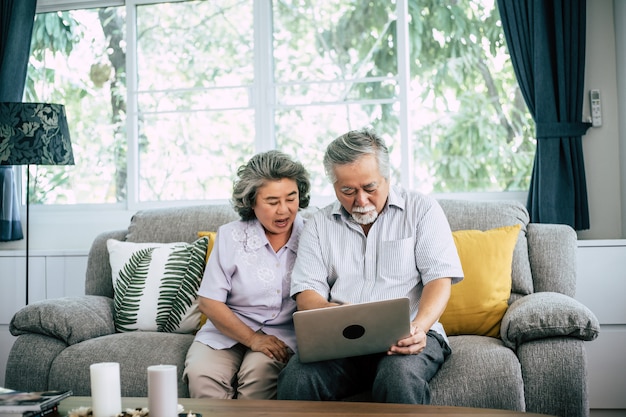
376, 242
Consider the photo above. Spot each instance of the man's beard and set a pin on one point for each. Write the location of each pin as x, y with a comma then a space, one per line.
364, 215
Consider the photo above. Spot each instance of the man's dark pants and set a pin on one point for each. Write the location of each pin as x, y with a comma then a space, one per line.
391, 379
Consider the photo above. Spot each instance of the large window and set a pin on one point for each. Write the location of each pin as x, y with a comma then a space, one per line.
165, 100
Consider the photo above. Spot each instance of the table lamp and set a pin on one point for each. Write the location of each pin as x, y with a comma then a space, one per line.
33, 134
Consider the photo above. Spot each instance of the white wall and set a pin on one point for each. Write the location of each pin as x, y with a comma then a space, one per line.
601, 146
620, 54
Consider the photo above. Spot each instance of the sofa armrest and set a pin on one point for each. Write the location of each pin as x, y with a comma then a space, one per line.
71, 319
552, 251
547, 314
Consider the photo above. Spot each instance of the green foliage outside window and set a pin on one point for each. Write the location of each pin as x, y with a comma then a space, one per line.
333, 67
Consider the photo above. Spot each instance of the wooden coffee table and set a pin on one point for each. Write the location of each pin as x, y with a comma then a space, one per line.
258, 408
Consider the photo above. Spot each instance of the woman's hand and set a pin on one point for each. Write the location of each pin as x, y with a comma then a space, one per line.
230, 325
272, 346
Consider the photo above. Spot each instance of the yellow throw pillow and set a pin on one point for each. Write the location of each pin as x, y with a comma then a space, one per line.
211, 236
478, 303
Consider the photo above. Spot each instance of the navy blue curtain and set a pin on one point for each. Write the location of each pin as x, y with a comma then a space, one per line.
546, 41
16, 27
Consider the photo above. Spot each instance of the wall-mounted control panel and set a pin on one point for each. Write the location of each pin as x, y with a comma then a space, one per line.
596, 108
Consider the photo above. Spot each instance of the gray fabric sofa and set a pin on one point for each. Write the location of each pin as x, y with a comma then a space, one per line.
537, 365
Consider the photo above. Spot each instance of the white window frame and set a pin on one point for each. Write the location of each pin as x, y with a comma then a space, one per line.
263, 103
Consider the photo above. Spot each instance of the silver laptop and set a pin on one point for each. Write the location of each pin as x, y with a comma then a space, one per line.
351, 329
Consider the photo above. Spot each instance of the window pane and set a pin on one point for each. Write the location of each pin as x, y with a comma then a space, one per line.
470, 125
195, 72
317, 127
336, 92
328, 80
331, 40
193, 155
78, 59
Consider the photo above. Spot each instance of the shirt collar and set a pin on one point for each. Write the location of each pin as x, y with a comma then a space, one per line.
294, 239
395, 199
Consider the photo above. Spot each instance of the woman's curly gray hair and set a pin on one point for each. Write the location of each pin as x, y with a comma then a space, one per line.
263, 167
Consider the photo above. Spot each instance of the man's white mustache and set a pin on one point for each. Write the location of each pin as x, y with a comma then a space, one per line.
365, 209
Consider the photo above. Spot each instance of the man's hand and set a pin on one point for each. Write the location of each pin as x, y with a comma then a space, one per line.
432, 305
272, 346
412, 345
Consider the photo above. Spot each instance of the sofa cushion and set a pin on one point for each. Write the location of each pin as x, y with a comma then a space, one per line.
481, 372
477, 303
485, 215
134, 351
156, 284
547, 314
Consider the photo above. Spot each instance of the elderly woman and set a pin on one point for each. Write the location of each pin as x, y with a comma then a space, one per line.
249, 336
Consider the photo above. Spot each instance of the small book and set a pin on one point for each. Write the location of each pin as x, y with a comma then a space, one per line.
29, 404
53, 411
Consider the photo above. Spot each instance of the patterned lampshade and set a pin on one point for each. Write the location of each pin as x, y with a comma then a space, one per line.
34, 134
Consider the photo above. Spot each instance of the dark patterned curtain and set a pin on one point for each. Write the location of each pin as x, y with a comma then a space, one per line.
546, 41
16, 27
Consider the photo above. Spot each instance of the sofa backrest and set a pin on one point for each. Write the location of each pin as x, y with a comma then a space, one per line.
177, 224
162, 225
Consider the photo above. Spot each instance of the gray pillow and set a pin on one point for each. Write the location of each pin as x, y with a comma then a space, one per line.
71, 319
547, 314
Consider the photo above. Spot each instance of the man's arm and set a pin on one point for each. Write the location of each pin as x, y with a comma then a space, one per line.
435, 296
433, 303
310, 300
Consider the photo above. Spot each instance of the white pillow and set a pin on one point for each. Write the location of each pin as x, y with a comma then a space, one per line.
156, 284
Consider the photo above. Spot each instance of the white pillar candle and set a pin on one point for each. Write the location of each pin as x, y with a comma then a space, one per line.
106, 394
162, 391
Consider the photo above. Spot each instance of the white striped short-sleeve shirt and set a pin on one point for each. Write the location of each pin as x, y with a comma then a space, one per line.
409, 245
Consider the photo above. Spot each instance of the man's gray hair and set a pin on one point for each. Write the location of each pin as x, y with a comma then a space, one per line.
353, 145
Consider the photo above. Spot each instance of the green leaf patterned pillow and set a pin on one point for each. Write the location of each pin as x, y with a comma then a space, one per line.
156, 284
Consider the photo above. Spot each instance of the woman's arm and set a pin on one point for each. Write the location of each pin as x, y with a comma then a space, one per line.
230, 325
